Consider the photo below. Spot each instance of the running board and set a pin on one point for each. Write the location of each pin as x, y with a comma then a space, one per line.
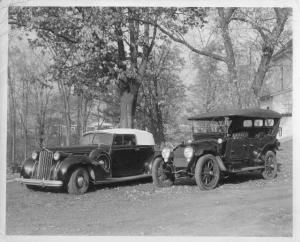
122, 179
247, 169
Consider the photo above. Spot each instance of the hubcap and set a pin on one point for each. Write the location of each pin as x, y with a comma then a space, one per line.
270, 166
80, 181
161, 172
208, 175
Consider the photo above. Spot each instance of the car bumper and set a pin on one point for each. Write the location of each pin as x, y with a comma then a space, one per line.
39, 182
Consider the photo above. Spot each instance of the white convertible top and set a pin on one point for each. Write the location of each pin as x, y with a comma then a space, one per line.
142, 137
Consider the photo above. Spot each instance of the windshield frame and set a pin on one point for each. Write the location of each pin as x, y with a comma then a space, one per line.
226, 124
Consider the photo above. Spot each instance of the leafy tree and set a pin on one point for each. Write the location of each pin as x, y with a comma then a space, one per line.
29, 90
269, 24
162, 92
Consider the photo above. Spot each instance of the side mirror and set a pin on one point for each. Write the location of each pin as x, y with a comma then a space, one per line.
280, 131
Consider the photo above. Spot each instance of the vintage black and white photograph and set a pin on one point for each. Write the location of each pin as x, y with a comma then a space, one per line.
145, 121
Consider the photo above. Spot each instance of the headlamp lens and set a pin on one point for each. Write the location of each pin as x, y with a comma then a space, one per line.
56, 156
34, 155
166, 153
188, 152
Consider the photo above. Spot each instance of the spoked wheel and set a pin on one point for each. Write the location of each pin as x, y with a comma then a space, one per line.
207, 172
100, 159
79, 182
104, 162
270, 170
162, 173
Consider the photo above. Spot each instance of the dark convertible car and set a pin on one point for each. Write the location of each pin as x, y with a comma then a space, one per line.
103, 156
223, 143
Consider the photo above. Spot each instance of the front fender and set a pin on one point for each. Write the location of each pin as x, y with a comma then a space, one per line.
70, 163
271, 146
27, 168
150, 160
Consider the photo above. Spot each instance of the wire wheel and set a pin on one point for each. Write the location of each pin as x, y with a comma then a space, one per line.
207, 172
162, 173
104, 162
270, 171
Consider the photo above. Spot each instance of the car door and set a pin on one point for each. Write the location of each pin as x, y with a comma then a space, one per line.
257, 140
237, 150
124, 156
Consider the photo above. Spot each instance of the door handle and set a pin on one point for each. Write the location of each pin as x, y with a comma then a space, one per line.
137, 149
245, 146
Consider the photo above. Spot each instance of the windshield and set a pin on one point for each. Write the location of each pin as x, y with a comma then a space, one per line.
100, 138
210, 126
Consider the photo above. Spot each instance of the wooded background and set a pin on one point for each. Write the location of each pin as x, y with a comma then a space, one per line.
73, 69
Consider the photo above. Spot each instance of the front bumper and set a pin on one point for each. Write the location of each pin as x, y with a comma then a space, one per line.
41, 183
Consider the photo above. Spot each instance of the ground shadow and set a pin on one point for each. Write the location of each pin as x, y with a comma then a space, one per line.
235, 178
182, 181
120, 184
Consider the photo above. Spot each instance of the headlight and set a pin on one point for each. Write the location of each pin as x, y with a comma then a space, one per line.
57, 156
188, 153
34, 155
220, 141
28, 169
166, 152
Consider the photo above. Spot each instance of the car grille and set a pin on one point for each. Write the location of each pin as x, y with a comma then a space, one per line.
179, 159
44, 165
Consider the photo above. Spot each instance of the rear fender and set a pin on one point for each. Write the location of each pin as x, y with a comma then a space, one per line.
199, 153
271, 146
150, 160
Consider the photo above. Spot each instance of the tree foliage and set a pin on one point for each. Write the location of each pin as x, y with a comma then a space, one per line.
123, 65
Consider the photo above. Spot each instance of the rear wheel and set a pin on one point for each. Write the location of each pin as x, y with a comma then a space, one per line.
270, 170
207, 172
162, 173
78, 182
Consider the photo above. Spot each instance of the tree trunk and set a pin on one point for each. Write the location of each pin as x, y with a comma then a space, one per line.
68, 126
230, 58
24, 115
65, 95
12, 117
79, 117
160, 135
262, 70
127, 106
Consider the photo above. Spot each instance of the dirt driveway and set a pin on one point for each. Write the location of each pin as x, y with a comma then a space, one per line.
245, 205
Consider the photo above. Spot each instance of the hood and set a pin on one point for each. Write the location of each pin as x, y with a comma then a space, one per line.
205, 136
78, 149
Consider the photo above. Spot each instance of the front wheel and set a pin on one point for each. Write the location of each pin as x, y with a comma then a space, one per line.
79, 181
270, 170
207, 172
162, 173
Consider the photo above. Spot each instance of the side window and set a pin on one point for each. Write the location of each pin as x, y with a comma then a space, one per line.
118, 140
247, 123
258, 123
269, 122
129, 139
